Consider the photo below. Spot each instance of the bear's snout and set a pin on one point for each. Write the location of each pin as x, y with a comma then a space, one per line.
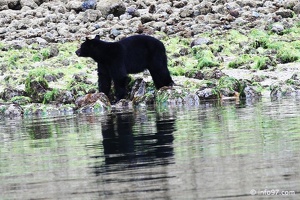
77, 52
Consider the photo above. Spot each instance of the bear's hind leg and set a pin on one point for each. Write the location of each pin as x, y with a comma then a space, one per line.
159, 71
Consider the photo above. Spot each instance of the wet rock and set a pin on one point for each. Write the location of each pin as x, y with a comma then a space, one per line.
9, 93
195, 74
176, 96
96, 102
21, 100
207, 94
252, 92
282, 89
230, 87
294, 80
213, 74
123, 104
36, 87
11, 110
139, 94
65, 97
138, 88
37, 109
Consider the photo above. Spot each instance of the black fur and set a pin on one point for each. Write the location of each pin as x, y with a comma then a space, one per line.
129, 56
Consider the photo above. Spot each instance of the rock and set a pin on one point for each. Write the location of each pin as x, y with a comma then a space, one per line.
9, 93
133, 11
65, 97
281, 89
147, 18
91, 15
252, 92
277, 28
13, 110
229, 87
96, 102
285, 13
296, 8
138, 88
115, 7
14, 4
250, 3
30, 3
36, 87
207, 94
90, 99
74, 5
203, 8
89, 4
186, 12
38, 109
175, 96
200, 41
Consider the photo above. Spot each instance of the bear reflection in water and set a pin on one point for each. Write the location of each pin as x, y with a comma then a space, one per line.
124, 146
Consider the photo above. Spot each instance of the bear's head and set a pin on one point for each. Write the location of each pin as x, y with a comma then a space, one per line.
85, 48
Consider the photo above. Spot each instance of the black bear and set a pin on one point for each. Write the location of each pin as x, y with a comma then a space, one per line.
128, 56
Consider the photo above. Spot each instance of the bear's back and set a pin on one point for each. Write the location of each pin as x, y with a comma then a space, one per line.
142, 41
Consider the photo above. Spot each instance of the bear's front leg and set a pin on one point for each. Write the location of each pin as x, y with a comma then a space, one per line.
120, 87
104, 81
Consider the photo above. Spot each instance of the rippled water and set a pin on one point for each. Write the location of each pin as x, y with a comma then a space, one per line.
217, 150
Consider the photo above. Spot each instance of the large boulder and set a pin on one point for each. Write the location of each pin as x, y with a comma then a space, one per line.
115, 7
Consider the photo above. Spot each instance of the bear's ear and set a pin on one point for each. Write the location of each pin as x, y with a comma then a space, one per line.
97, 37
87, 39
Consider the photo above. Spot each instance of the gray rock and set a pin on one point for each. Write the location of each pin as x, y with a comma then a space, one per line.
186, 12
30, 3
296, 8
9, 93
285, 13
115, 7
200, 41
74, 5
203, 8
14, 110
277, 28
91, 15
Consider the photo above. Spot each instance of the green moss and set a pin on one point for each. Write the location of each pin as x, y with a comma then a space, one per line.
22, 100
261, 63
241, 60
50, 96
237, 37
286, 55
41, 55
205, 58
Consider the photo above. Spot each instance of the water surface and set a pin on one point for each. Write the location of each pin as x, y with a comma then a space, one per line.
216, 150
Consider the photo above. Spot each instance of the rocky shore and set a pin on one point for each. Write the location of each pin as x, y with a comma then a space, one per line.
217, 49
